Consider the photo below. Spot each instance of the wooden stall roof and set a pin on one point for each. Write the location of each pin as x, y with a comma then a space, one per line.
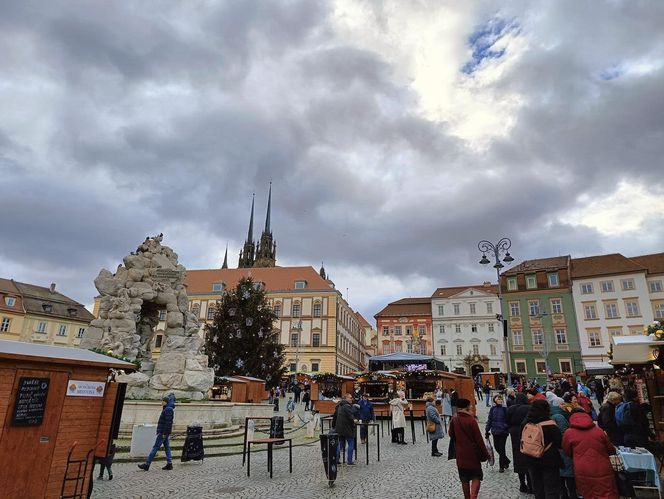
249, 378
232, 379
19, 350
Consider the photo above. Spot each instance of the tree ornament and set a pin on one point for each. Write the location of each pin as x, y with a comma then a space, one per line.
248, 321
239, 364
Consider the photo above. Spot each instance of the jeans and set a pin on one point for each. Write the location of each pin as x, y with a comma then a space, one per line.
499, 443
545, 481
349, 444
161, 439
488, 399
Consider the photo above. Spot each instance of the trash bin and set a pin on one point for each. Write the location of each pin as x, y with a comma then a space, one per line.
142, 439
328, 446
193, 444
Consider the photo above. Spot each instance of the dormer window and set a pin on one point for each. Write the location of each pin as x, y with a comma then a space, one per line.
72, 312
218, 286
10, 301
47, 307
300, 284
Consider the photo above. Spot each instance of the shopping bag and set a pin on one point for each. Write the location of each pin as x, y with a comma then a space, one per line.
489, 450
451, 450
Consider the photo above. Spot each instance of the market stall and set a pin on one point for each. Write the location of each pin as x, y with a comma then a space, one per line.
327, 389
229, 389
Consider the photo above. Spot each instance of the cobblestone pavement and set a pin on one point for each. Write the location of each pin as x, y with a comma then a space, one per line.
404, 471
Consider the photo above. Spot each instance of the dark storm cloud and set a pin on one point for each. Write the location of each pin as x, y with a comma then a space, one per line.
169, 115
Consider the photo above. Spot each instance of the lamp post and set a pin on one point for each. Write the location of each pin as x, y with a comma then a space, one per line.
499, 250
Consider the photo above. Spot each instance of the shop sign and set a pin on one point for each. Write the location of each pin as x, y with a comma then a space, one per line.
78, 388
30, 401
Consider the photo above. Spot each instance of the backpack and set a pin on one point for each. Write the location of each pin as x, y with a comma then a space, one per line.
532, 439
624, 414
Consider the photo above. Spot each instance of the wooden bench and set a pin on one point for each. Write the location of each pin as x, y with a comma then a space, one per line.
270, 444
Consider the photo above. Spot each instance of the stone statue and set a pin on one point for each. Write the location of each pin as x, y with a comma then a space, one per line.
149, 280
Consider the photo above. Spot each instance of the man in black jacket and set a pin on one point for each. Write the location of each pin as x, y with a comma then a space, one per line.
343, 422
164, 428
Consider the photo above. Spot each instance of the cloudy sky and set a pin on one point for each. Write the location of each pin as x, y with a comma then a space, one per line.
397, 134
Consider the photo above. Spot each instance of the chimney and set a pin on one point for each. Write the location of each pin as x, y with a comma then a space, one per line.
487, 284
52, 287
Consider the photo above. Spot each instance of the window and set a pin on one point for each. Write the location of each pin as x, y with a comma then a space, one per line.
473, 328
317, 309
627, 284
397, 347
295, 338
457, 328
511, 284
476, 349
594, 338
62, 330
590, 312
540, 366
655, 286
422, 330
296, 310
531, 282
397, 330
659, 311
586, 288
538, 337
520, 366
9, 301
492, 349
210, 312
553, 280
443, 350
41, 327
293, 367
315, 339
561, 336
409, 348
158, 340
457, 308
47, 307
472, 308
607, 286
386, 331
492, 327
517, 337
459, 351
4, 325
300, 284
441, 329
489, 307
611, 310
218, 286
615, 331
636, 330
565, 366
315, 367
533, 307
81, 332
632, 308
409, 330
162, 315
556, 306
515, 310
441, 309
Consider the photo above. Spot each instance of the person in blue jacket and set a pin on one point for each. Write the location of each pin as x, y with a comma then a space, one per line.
164, 428
498, 427
366, 415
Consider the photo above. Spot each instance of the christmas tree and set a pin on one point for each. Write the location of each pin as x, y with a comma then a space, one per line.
242, 339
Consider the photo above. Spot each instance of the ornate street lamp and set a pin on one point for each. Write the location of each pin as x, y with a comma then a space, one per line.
500, 254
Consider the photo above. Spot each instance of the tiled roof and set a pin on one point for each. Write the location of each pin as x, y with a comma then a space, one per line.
406, 307
614, 263
363, 321
654, 263
447, 292
275, 279
539, 264
35, 297
8, 289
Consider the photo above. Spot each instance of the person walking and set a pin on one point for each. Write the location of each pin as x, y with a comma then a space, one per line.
366, 415
397, 406
516, 415
164, 428
106, 462
306, 398
599, 391
607, 418
434, 418
470, 450
290, 407
497, 426
567, 482
510, 395
478, 390
454, 397
487, 393
590, 448
544, 470
343, 421
633, 420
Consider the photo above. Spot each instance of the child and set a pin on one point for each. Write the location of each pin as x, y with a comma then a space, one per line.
107, 462
290, 407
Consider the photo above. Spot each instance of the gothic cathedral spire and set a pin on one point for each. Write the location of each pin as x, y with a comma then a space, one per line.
247, 254
266, 254
225, 264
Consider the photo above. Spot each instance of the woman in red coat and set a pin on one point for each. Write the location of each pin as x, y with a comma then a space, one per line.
589, 447
469, 447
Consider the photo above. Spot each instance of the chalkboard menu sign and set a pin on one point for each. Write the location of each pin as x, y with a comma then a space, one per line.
30, 401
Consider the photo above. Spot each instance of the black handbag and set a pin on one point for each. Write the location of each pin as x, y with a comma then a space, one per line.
451, 450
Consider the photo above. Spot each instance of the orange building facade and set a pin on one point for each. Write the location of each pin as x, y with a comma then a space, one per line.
405, 326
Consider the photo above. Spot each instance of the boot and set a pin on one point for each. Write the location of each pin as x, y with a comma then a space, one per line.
169, 466
144, 466
110, 475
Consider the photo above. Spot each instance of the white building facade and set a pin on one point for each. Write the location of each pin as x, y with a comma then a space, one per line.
611, 298
467, 336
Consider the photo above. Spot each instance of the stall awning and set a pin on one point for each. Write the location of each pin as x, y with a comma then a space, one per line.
598, 368
634, 349
401, 357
